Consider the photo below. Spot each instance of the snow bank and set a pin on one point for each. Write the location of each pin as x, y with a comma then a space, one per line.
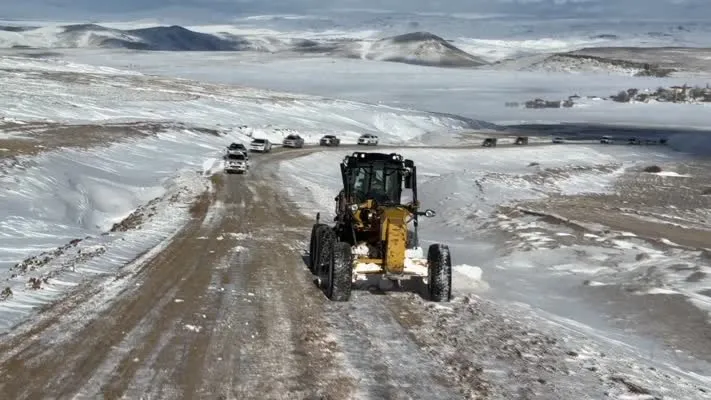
74, 193
64, 214
46, 276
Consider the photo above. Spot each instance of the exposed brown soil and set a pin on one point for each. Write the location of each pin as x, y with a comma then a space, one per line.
206, 318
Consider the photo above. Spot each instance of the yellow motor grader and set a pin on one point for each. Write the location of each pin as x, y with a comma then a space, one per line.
372, 235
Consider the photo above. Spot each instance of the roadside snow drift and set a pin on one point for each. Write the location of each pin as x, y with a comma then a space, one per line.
72, 214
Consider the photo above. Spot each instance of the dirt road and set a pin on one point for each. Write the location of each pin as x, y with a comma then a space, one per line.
227, 310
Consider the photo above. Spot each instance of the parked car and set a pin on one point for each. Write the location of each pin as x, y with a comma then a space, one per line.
633, 140
330, 140
260, 145
521, 140
294, 141
236, 162
606, 140
368, 140
558, 139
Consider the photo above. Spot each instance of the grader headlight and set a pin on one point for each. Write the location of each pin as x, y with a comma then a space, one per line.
354, 207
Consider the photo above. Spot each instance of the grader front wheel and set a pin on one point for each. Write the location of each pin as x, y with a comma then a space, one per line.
340, 272
439, 282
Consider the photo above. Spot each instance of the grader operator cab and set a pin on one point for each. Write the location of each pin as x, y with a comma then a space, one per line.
375, 233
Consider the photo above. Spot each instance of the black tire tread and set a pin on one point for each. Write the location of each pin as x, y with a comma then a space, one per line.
439, 284
340, 280
313, 246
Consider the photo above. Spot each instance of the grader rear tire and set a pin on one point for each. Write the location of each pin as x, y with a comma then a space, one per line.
314, 246
439, 283
340, 272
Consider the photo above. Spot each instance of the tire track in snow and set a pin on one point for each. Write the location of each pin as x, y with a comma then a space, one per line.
222, 369
387, 362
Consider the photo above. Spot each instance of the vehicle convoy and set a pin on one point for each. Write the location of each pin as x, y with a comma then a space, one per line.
371, 234
368, 140
236, 162
260, 145
294, 141
329, 140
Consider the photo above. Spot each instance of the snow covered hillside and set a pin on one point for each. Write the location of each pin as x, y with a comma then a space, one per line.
427, 39
417, 48
91, 96
421, 48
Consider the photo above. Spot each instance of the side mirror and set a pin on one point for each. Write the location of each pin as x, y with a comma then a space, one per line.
430, 213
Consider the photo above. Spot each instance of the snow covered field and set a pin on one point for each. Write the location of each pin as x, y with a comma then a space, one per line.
479, 94
45, 90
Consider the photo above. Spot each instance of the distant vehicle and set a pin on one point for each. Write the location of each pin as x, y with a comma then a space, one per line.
633, 140
237, 148
558, 139
330, 140
606, 140
294, 141
260, 145
368, 140
521, 140
489, 142
663, 141
236, 162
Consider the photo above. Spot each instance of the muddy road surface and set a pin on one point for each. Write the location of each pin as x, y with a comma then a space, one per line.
228, 310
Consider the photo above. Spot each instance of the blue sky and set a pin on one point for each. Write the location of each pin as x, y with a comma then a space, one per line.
225, 9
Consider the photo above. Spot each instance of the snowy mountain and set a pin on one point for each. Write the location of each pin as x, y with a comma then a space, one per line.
421, 48
172, 38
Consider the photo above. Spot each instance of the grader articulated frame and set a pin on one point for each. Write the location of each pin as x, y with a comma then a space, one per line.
371, 234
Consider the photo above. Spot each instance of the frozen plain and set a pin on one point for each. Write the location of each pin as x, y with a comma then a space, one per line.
209, 110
